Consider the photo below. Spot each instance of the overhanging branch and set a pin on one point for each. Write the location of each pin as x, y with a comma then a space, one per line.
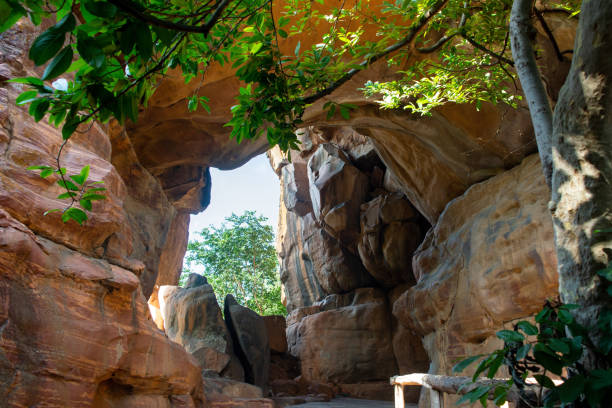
132, 9
414, 30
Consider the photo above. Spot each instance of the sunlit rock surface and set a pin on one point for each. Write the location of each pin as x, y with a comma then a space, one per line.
75, 331
192, 318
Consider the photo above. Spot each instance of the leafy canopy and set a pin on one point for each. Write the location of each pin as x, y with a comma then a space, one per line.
114, 53
239, 258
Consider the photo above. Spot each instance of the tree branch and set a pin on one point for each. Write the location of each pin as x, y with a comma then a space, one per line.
445, 39
132, 9
414, 30
529, 76
484, 49
550, 35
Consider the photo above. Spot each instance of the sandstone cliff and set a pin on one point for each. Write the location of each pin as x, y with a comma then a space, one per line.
404, 242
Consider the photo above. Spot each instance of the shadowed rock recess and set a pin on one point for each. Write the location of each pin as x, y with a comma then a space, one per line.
404, 243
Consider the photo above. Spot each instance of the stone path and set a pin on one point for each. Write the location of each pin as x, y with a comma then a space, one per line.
350, 403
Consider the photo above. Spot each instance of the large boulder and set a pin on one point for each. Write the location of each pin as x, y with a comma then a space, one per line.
496, 238
337, 189
276, 326
251, 343
345, 339
337, 270
390, 233
192, 318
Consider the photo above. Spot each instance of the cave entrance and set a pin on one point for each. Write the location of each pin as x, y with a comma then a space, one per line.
232, 242
251, 187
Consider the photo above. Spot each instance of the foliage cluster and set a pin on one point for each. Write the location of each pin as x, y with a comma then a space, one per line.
114, 52
239, 258
555, 345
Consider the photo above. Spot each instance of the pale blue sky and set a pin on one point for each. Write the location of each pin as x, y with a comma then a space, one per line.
253, 186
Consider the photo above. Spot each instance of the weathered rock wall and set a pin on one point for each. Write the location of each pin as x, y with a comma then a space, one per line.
345, 241
75, 329
489, 259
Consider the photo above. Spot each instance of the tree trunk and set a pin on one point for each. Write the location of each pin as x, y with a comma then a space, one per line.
521, 35
582, 169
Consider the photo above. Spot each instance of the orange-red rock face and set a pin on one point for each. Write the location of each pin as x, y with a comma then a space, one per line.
75, 331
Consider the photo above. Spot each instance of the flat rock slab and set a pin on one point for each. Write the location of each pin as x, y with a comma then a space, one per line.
350, 403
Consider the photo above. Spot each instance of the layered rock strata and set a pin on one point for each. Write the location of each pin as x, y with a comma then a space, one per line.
75, 331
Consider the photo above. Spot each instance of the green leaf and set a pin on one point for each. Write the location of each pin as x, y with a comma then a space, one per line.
26, 97
68, 194
102, 9
510, 336
474, 395
495, 364
93, 197
86, 204
331, 112
51, 41
40, 108
69, 128
59, 65
46, 173
559, 345
74, 214
544, 381
523, 351
81, 178
10, 12
256, 47
127, 37
571, 389
192, 105
144, 41
165, 36
565, 316
500, 395
68, 185
344, 112
297, 49
27, 80
40, 168
528, 328
66, 24
90, 51
463, 364
601, 379
46, 45
548, 361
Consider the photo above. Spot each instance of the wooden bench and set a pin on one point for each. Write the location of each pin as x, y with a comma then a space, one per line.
439, 385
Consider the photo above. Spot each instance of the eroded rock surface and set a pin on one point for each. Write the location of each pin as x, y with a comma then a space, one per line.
75, 332
496, 238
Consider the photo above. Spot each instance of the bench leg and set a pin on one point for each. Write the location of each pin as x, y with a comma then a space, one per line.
436, 398
399, 396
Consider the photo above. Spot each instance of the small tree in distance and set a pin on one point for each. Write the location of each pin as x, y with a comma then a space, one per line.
239, 258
